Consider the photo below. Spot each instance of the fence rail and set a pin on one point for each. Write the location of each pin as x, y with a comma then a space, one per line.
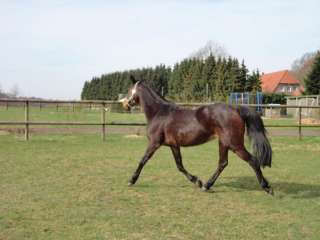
102, 104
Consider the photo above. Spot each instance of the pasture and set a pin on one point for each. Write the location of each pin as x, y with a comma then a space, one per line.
75, 187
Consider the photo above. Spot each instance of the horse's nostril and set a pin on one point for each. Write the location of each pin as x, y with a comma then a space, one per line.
131, 102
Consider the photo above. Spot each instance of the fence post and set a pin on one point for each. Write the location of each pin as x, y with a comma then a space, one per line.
103, 122
300, 135
26, 118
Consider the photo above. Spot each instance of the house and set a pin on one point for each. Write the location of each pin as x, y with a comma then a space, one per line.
281, 82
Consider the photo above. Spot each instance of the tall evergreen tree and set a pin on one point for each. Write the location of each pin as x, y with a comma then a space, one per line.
231, 75
253, 83
198, 90
187, 79
209, 75
175, 83
220, 86
242, 78
85, 90
236, 72
313, 78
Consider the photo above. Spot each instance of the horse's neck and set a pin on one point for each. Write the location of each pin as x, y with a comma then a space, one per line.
150, 105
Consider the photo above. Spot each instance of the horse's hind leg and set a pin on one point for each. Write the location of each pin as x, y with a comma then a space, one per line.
253, 162
177, 156
223, 162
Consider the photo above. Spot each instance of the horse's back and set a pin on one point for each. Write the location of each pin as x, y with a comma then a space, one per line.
219, 113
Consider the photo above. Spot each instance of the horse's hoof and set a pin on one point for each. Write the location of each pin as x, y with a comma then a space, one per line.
204, 189
130, 184
199, 183
270, 191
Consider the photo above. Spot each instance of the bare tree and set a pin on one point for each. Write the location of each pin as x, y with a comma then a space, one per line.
3, 94
14, 91
302, 66
210, 48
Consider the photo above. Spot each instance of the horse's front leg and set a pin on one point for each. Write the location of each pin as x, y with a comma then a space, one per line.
148, 154
177, 156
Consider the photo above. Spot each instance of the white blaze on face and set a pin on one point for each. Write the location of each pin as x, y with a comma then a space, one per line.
133, 91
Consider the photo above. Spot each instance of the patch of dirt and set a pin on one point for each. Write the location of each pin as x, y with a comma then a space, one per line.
133, 136
66, 130
310, 121
293, 132
4, 132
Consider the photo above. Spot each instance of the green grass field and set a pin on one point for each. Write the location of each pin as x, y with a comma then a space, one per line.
75, 187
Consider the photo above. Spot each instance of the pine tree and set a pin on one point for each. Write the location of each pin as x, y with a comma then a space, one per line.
253, 83
220, 86
231, 76
186, 79
209, 75
236, 71
175, 83
242, 78
313, 78
198, 86
85, 91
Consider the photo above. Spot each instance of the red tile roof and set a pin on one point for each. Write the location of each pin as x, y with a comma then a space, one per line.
270, 81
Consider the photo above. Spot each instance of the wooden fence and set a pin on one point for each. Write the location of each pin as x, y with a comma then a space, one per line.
102, 105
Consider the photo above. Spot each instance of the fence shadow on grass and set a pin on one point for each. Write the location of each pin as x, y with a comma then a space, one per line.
293, 189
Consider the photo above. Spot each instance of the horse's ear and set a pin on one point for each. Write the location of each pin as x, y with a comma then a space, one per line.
132, 79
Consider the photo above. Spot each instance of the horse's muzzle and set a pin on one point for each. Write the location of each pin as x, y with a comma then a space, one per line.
125, 104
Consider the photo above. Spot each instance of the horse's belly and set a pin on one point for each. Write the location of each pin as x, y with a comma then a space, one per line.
196, 139
188, 138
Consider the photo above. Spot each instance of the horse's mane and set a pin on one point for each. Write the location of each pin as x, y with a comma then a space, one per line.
156, 95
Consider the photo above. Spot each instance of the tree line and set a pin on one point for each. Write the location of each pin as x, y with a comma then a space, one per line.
193, 79
109, 86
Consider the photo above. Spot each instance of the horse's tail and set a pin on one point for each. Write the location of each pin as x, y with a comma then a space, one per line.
257, 132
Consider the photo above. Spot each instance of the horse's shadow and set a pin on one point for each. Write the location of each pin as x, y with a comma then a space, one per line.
292, 189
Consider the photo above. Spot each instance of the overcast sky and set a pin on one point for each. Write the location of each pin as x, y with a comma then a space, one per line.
49, 48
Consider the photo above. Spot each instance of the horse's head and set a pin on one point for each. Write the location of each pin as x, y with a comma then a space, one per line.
132, 98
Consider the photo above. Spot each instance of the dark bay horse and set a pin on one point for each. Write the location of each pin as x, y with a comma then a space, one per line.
175, 126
